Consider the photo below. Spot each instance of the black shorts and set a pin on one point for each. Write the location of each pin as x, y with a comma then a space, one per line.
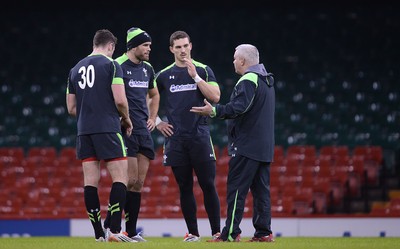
102, 146
142, 144
186, 151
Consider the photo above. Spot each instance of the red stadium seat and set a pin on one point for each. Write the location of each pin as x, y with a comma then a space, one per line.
380, 208
279, 153
292, 167
309, 173
321, 195
68, 152
46, 152
302, 151
373, 153
309, 162
334, 150
15, 152
283, 206
302, 199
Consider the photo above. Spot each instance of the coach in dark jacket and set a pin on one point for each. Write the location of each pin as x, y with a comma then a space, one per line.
250, 115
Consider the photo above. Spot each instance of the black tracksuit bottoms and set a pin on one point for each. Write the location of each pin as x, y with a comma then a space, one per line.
244, 174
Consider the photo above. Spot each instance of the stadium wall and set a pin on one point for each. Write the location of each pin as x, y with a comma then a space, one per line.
285, 227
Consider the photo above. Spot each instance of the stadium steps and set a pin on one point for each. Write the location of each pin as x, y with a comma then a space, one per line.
304, 181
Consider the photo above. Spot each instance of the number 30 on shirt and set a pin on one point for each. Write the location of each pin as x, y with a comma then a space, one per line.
87, 76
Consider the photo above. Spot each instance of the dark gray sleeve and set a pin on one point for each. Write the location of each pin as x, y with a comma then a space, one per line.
241, 101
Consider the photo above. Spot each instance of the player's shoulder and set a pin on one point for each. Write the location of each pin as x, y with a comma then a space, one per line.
84, 62
165, 70
100, 57
148, 65
102, 60
248, 79
122, 59
199, 64
95, 60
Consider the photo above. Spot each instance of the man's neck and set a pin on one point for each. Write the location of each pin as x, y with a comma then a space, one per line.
132, 58
100, 51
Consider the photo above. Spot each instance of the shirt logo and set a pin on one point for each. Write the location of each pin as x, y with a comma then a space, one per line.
138, 83
172, 77
145, 72
182, 88
128, 72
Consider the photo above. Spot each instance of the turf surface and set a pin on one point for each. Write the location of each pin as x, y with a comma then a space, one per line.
176, 243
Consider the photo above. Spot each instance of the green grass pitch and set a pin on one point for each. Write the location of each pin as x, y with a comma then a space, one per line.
176, 243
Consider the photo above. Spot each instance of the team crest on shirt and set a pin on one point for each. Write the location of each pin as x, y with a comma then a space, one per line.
145, 72
138, 83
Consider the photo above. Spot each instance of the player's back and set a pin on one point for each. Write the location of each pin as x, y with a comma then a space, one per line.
91, 79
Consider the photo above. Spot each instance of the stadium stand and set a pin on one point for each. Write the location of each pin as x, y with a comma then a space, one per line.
39, 186
337, 115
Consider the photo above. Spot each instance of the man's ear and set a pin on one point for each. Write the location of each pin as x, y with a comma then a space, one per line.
111, 47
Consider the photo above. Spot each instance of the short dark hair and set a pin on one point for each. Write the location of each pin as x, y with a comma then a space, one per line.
178, 35
103, 37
